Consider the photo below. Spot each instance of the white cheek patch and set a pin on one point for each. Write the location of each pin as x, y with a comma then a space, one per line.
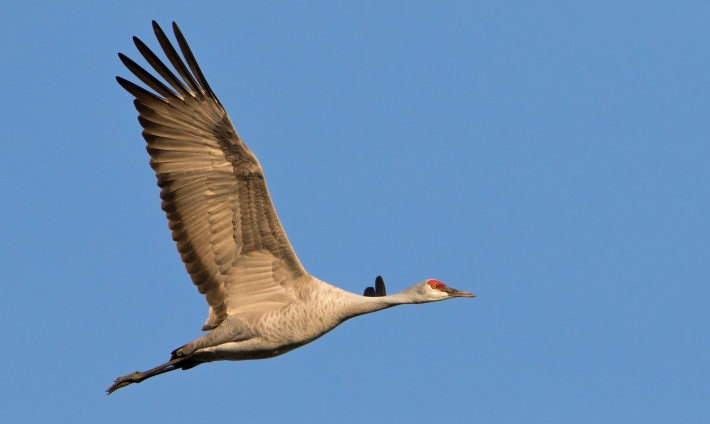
437, 292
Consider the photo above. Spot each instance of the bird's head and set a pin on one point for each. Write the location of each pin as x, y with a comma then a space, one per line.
434, 290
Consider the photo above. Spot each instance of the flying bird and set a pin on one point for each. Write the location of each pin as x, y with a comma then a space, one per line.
262, 302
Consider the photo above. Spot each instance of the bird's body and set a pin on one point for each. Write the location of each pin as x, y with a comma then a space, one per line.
262, 302
259, 336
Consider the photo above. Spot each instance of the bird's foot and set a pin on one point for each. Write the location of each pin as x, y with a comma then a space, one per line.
124, 381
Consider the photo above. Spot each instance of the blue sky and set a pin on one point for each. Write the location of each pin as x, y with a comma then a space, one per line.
550, 156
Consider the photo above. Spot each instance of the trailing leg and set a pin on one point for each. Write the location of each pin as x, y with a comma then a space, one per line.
138, 376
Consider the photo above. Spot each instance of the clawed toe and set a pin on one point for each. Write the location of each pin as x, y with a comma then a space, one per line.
124, 381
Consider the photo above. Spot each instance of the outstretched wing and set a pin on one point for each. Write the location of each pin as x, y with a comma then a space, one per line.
213, 188
378, 290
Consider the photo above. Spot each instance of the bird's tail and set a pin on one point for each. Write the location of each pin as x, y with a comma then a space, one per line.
138, 376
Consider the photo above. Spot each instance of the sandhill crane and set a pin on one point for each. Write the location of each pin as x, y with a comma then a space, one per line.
262, 302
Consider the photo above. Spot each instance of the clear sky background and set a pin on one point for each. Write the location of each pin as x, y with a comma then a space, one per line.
551, 156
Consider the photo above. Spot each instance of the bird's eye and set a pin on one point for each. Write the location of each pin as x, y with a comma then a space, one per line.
434, 286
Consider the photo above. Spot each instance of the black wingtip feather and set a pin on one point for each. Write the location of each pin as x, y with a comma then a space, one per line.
380, 286
146, 77
175, 59
138, 92
160, 67
191, 61
378, 290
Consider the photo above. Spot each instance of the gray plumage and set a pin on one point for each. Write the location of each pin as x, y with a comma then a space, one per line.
262, 302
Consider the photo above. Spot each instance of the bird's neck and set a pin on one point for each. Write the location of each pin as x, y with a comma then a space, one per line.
355, 305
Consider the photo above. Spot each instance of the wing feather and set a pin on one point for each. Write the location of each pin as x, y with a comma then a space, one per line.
213, 188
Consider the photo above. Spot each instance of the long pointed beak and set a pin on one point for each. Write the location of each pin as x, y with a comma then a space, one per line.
459, 293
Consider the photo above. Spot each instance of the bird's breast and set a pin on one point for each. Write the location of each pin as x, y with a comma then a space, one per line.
301, 322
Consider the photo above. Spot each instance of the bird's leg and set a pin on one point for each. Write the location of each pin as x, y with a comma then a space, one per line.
138, 376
